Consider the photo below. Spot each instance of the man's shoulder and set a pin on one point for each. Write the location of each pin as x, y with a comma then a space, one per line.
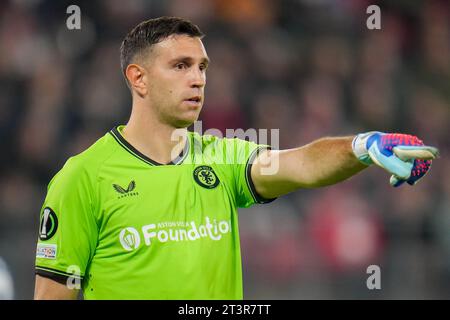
87, 163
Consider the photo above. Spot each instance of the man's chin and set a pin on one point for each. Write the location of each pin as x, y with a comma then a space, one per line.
188, 119
183, 119
184, 123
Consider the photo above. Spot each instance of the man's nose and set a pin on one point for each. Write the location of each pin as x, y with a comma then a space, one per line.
198, 79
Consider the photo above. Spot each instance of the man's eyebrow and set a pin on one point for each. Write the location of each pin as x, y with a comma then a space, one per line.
189, 59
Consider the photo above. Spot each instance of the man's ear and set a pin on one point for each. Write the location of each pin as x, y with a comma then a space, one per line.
137, 79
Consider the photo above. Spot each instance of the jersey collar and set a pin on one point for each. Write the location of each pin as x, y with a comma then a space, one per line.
115, 132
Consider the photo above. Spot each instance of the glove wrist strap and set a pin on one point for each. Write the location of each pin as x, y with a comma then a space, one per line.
359, 146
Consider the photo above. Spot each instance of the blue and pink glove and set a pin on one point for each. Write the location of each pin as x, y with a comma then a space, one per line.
403, 155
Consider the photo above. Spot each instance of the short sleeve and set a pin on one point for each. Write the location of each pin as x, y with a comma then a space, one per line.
68, 229
245, 153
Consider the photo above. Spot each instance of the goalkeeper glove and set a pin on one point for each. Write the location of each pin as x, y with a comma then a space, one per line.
404, 156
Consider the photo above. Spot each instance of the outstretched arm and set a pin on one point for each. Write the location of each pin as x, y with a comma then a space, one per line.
330, 160
320, 163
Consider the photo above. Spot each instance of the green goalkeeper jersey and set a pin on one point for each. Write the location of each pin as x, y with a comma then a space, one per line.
127, 227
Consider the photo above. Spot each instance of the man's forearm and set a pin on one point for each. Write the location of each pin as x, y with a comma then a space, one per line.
323, 162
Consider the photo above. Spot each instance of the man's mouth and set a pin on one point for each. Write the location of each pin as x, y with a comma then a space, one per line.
194, 101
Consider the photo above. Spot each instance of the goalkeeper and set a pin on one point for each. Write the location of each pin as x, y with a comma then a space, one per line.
141, 215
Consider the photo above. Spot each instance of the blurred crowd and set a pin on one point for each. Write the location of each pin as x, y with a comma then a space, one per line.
308, 68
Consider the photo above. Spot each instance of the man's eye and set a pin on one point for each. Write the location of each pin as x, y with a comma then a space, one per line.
180, 66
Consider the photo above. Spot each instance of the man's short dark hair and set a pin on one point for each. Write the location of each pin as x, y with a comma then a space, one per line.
150, 32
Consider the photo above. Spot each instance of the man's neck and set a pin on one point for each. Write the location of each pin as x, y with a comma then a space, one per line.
154, 139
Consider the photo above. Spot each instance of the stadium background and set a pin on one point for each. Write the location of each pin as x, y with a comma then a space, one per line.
309, 68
